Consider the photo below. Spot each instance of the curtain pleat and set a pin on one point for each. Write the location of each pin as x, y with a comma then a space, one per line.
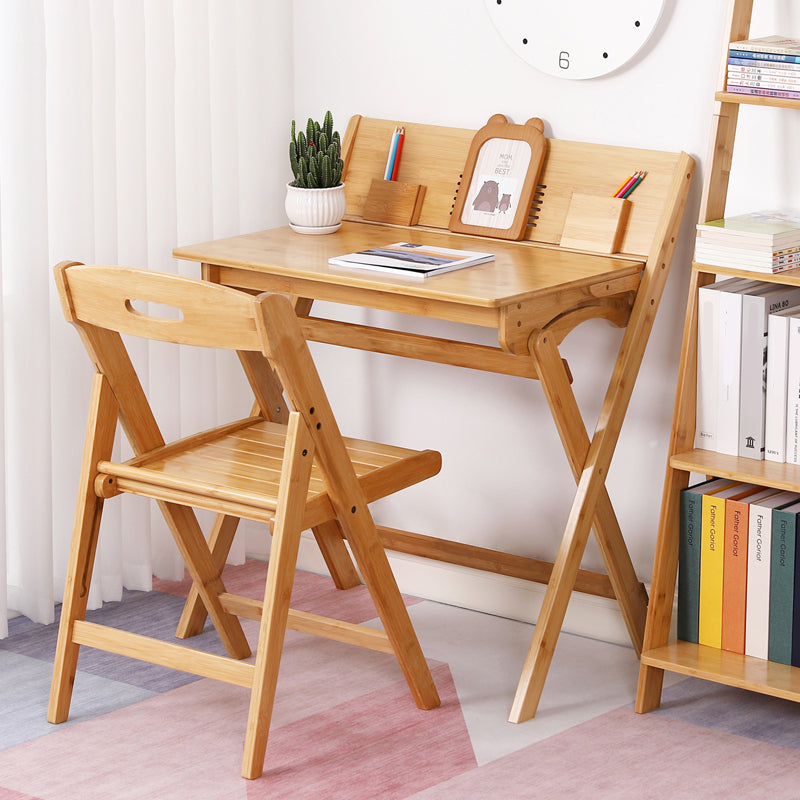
128, 127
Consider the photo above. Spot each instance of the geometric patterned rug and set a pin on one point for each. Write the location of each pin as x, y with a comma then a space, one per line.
345, 726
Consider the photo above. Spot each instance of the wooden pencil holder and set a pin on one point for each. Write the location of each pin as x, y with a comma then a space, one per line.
394, 202
595, 223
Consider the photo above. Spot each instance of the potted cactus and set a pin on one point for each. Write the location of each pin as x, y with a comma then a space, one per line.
315, 200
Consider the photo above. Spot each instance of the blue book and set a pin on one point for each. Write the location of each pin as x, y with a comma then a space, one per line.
690, 521
762, 56
782, 581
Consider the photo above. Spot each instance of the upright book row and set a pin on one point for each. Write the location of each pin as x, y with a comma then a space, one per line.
739, 570
768, 66
748, 369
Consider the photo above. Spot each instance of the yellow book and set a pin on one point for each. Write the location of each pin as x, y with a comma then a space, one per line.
712, 556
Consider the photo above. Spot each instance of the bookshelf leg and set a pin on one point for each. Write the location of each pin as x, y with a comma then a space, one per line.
648, 693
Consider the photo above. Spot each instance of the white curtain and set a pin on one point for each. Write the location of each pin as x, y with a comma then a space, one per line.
127, 127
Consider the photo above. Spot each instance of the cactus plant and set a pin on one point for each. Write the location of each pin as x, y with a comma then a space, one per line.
315, 155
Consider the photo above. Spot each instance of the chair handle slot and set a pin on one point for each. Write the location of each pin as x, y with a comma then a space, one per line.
160, 312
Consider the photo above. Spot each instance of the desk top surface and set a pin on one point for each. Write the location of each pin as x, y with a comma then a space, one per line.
520, 270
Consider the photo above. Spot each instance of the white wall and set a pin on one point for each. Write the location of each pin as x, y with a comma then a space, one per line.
505, 481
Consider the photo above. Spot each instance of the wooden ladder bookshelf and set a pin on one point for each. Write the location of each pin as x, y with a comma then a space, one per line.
659, 653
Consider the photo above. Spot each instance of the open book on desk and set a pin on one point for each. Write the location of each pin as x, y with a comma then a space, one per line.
411, 260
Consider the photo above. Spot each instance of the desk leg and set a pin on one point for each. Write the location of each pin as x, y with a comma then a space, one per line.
629, 591
591, 506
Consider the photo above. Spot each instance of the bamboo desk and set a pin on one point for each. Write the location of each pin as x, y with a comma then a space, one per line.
534, 293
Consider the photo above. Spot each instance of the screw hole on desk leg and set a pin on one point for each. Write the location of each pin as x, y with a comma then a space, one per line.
519, 324
652, 301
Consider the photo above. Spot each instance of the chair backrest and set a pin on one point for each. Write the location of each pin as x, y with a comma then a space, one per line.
159, 306
103, 303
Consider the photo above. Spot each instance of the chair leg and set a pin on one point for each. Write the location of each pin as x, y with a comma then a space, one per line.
99, 444
220, 541
380, 581
194, 549
297, 464
331, 542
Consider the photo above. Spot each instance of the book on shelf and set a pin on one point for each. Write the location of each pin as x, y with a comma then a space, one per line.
781, 587
709, 365
757, 305
690, 523
767, 48
411, 260
732, 355
795, 655
712, 557
781, 94
792, 455
767, 230
754, 62
775, 414
734, 569
759, 564
791, 84
785, 73
749, 259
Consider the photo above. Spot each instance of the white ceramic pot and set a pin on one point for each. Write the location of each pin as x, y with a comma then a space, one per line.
315, 210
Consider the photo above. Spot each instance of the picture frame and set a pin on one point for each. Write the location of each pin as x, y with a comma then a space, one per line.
499, 179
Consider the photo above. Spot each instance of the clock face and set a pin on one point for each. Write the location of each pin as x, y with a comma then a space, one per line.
575, 38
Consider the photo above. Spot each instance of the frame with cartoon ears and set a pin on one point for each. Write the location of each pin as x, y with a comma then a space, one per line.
497, 186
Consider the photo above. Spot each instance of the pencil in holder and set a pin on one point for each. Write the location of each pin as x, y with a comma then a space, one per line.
595, 223
394, 202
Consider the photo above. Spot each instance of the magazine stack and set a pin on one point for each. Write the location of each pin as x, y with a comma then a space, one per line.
768, 66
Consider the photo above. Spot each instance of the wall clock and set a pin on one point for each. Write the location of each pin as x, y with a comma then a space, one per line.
575, 38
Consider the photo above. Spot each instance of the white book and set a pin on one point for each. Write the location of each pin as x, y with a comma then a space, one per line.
757, 304
411, 260
730, 310
793, 394
775, 399
708, 362
759, 550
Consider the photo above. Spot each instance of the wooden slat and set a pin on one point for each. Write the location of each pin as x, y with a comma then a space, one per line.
409, 345
166, 654
304, 622
467, 555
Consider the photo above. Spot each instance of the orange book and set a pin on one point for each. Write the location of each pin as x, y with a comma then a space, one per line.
734, 575
734, 572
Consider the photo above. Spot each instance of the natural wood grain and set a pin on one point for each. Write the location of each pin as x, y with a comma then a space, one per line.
732, 669
290, 469
659, 653
533, 286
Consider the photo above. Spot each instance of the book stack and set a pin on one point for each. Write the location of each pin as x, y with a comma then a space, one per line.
768, 66
760, 241
748, 368
739, 569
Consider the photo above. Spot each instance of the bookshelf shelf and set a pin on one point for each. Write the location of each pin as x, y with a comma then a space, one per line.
720, 666
790, 277
765, 473
659, 653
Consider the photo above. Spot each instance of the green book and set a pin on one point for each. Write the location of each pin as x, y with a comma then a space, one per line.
689, 557
781, 583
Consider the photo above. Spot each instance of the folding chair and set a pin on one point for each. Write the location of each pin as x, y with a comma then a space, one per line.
294, 474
